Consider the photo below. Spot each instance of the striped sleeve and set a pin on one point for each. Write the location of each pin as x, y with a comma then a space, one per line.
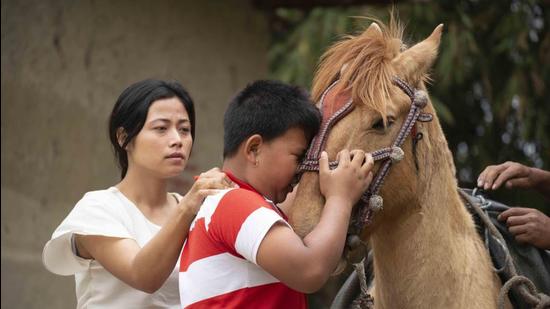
241, 221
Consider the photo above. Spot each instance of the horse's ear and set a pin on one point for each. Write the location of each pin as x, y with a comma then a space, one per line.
413, 63
373, 29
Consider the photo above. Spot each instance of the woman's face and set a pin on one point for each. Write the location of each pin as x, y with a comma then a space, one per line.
163, 145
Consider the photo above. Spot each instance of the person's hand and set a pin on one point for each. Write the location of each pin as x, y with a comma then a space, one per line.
528, 225
206, 183
511, 174
350, 179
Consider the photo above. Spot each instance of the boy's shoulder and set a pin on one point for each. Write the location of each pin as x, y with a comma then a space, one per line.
231, 205
235, 196
243, 196
232, 201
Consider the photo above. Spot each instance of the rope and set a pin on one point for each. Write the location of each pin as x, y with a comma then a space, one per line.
521, 284
527, 289
364, 300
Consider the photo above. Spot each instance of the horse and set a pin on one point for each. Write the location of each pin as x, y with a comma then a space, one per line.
426, 251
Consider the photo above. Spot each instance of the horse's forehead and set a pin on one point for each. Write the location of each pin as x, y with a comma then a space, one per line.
399, 101
335, 98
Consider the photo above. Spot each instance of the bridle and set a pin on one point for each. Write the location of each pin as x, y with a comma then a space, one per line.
370, 202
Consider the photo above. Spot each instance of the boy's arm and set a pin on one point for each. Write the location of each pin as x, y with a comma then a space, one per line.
305, 265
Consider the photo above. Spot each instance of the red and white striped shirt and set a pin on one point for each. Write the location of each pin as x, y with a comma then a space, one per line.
218, 266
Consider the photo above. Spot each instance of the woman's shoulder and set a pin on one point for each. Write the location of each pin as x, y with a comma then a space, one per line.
101, 201
103, 194
98, 212
109, 196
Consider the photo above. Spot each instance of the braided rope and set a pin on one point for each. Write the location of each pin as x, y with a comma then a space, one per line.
404, 86
364, 300
527, 290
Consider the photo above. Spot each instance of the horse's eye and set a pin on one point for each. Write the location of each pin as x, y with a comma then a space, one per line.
379, 124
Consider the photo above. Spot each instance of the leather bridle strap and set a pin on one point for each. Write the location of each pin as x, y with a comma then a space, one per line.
311, 161
372, 202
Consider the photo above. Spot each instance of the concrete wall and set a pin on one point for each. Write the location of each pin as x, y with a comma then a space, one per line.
64, 63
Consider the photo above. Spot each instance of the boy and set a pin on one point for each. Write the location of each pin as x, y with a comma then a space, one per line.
241, 252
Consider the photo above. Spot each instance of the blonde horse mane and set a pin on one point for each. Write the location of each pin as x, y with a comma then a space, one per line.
362, 63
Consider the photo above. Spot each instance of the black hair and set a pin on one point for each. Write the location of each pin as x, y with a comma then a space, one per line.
268, 108
131, 108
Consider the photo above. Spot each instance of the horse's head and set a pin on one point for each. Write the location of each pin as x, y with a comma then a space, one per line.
363, 68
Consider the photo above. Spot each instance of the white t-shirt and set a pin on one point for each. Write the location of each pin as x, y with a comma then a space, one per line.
106, 213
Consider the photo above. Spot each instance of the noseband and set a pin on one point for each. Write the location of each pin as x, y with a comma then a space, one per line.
370, 202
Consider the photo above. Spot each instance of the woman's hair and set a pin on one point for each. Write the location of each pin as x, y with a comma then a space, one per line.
131, 108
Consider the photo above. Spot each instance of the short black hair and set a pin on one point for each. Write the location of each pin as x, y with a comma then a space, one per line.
268, 108
131, 108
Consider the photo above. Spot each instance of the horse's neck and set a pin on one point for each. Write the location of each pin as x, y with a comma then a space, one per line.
432, 254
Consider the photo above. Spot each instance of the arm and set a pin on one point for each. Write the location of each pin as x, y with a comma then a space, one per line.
147, 268
515, 175
305, 265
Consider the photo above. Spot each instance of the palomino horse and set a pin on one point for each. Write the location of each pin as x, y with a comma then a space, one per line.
427, 253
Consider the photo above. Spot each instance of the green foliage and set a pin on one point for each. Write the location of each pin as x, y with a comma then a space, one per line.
490, 82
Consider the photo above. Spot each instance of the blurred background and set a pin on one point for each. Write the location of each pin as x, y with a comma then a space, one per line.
64, 63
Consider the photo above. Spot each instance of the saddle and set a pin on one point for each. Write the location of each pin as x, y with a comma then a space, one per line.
524, 270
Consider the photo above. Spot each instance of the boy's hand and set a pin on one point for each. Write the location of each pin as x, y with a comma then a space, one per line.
350, 179
308, 262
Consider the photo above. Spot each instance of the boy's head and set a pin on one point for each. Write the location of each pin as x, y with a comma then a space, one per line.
268, 108
269, 125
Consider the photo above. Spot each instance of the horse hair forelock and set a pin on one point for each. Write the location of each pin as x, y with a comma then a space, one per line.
368, 72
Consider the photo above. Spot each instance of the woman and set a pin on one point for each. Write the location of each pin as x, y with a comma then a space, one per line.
123, 243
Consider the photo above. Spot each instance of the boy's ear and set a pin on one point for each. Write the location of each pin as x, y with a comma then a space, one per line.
121, 136
252, 148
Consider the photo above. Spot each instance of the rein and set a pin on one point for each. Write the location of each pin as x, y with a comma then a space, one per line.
371, 202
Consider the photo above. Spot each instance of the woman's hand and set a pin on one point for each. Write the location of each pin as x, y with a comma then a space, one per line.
206, 184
